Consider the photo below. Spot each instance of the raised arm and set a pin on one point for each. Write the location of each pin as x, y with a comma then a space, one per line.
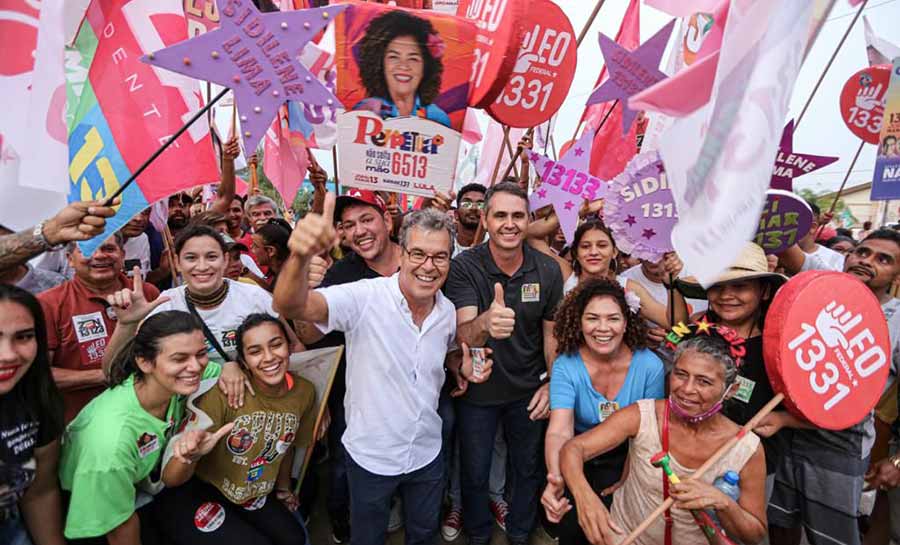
313, 234
77, 221
225, 193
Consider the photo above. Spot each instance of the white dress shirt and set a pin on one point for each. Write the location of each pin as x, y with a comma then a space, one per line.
395, 372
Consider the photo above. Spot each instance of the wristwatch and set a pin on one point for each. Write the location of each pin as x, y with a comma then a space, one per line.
38, 233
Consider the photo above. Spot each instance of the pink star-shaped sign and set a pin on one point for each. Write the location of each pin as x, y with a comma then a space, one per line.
630, 72
789, 164
649, 233
257, 56
566, 182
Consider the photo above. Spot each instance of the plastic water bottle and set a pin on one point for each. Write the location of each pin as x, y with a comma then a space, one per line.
728, 484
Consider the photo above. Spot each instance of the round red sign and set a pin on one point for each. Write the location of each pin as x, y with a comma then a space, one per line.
500, 27
827, 348
862, 101
544, 69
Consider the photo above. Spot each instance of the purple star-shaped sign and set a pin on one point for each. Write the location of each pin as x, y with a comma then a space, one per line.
257, 56
630, 72
566, 182
789, 164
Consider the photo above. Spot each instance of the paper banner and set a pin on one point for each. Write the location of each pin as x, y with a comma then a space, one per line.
640, 208
202, 16
790, 164
566, 184
862, 101
886, 181
256, 55
630, 72
785, 219
403, 155
544, 70
362, 37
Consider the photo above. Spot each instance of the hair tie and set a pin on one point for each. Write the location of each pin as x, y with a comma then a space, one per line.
436, 46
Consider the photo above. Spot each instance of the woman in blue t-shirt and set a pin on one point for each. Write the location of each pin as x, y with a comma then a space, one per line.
603, 365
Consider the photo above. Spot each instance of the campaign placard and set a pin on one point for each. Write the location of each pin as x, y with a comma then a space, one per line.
785, 219
404, 155
886, 180
862, 101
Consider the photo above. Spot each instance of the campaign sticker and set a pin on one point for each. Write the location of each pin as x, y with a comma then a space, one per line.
745, 389
531, 293
607, 408
479, 359
255, 504
147, 444
89, 327
239, 442
256, 469
209, 517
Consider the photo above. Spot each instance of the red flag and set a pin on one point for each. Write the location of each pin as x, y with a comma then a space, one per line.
612, 151
285, 160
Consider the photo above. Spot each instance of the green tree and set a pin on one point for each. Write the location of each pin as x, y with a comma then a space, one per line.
302, 201
824, 202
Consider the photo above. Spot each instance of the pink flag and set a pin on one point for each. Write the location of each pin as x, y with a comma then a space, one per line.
719, 159
683, 8
471, 132
690, 89
611, 150
285, 159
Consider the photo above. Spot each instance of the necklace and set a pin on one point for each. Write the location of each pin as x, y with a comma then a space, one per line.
210, 300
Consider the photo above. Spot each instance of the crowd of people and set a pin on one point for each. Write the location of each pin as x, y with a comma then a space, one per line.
492, 376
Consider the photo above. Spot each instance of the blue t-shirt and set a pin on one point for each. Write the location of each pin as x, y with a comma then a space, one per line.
571, 387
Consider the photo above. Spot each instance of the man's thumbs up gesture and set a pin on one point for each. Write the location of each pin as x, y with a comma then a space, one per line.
500, 319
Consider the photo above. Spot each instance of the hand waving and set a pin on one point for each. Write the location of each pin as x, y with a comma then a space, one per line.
131, 305
834, 322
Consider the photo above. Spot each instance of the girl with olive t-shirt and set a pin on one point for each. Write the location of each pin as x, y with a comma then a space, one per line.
114, 444
237, 489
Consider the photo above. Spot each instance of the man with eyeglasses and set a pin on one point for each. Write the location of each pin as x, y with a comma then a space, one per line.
367, 225
398, 331
469, 204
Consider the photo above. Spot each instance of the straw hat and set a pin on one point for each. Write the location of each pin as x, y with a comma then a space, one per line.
750, 264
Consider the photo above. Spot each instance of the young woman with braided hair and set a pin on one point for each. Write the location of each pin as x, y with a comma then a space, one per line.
603, 365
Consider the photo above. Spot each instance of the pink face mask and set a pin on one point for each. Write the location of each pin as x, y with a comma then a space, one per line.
696, 419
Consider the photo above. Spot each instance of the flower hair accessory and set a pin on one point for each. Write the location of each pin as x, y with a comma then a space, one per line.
633, 301
682, 332
436, 46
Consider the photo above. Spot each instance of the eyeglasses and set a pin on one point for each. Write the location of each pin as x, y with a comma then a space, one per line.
418, 257
469, 204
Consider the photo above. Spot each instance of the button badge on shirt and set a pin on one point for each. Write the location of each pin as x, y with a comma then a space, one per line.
607, 408
531, 293
256, 469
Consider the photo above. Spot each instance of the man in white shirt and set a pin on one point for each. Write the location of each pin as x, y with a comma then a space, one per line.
818, 257
398, 331
137, 245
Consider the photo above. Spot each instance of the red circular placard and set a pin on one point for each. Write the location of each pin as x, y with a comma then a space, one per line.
862, 101
544, 69
827, 348
500, 27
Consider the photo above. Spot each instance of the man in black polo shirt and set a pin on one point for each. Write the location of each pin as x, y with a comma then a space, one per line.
505, 295
367, 226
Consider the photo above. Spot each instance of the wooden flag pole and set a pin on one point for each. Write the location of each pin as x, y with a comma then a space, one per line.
830, 61
840, 190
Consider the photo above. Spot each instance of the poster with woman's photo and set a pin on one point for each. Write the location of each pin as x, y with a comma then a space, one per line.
404, 63
886, 179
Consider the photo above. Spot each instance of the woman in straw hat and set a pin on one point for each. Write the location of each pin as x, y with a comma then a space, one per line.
739, 299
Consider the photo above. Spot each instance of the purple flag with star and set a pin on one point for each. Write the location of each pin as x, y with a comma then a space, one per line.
257, 56
567, 183
640, 209
790, 164
630, 72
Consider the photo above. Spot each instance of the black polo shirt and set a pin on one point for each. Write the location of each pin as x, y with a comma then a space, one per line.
534, 292
349, 269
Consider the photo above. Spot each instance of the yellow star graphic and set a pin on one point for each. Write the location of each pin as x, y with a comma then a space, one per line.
703, 326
